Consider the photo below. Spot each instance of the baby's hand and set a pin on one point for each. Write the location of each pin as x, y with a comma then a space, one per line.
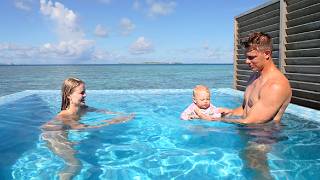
193, 116
197, 111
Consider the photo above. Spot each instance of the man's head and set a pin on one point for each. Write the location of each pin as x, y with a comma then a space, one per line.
201, 96
258, 48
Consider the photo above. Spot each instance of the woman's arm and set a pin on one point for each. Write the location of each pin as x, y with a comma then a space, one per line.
104, 111
116, 120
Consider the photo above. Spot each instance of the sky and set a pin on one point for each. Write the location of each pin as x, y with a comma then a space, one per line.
118, 31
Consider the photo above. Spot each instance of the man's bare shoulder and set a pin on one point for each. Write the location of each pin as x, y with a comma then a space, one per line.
277, 83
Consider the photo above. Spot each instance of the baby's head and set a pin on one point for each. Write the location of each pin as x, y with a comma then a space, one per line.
201, 96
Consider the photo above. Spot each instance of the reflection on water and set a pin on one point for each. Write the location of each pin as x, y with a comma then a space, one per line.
259, 140
59, 144
158, 145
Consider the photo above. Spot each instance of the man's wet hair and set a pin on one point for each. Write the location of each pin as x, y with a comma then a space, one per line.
257, 40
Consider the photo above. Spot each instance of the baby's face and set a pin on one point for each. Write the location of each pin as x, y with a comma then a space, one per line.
202, 99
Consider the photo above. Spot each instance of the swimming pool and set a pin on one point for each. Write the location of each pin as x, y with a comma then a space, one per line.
157, 144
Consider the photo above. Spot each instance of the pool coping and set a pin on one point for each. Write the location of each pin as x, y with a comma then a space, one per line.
300, 111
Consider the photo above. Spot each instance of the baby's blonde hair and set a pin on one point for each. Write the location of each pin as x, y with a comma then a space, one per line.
200, 87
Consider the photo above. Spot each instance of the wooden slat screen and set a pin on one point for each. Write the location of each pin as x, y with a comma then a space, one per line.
295, 28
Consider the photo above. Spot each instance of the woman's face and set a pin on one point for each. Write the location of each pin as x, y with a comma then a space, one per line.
77, 97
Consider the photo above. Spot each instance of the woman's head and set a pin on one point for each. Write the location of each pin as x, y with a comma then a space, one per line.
72, 91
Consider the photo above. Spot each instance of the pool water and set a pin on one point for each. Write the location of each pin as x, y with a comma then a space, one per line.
156, 144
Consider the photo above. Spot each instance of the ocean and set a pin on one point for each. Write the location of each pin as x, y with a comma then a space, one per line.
112, 77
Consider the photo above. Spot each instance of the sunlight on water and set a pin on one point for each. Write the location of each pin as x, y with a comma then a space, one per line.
158, 145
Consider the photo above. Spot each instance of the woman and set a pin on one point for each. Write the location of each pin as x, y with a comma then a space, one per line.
72, 108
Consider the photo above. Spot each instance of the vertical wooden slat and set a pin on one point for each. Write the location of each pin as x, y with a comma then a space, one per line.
296, 40
235, 53
282, 35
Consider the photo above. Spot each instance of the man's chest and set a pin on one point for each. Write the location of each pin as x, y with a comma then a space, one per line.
252, 94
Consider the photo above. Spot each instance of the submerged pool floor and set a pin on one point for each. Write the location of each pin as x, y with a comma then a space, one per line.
156, 144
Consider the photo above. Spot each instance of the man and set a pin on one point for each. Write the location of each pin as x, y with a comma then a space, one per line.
268, 92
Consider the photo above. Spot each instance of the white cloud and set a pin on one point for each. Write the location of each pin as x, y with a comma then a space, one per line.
141, 46
72, 44
64, 19
25, 5
101, 31
126, 26
68, 49
159, 8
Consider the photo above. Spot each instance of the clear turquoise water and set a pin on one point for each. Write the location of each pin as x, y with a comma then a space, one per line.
156, 144
100, 77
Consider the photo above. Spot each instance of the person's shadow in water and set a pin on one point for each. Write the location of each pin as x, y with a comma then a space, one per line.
258, 141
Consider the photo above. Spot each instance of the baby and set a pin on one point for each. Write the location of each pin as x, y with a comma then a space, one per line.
201, 108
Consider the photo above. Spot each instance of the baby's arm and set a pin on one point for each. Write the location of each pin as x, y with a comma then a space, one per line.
202, 115
189, 113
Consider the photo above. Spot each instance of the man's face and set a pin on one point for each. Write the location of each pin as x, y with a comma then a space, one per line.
255, 59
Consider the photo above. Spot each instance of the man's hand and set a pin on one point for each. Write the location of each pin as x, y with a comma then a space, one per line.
225, 112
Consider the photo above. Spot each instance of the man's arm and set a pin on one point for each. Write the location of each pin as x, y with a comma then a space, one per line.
235, 112
266, 107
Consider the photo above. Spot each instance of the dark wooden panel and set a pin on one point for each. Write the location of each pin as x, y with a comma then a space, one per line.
290, 2
314, 43
245, 72
303, 19
303, 36
243, 67
242, 83
268, 28
305, 85
243, 77
315, 78
305, 102
240, 88
300, 4
306, 94
303, 61
312, 52
309, 26
241, 61
304, 11
273, 13
261, 11
302, 69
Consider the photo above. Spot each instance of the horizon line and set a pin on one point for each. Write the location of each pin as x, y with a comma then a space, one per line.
117, 64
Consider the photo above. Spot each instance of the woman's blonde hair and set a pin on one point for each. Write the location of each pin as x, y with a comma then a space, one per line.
67, 88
